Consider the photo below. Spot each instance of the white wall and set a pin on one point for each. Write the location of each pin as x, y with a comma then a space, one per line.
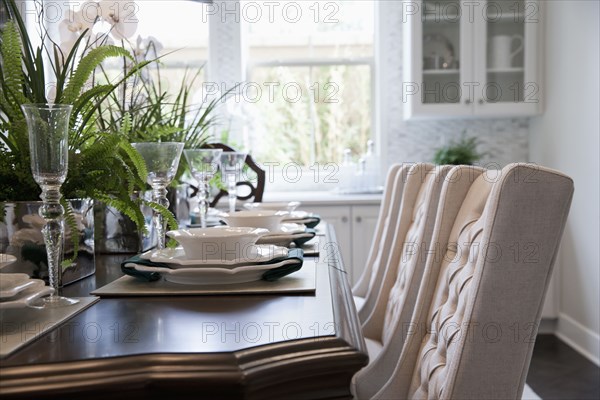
566, 138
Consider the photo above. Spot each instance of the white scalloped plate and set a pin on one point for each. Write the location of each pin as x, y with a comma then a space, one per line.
12, 284
213, 276
28, 297
176, 257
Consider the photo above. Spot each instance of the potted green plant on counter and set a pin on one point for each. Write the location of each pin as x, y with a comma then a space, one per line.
461, 152
102, 164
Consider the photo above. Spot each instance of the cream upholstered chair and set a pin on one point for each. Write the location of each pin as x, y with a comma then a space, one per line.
390, 194
409, 183
384, 329
480, 301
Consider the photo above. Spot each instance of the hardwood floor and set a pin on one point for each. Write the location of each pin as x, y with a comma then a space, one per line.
559, 372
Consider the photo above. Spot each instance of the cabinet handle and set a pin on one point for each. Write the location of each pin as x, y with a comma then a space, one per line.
468, 101
344, 219
359, 219
481, 101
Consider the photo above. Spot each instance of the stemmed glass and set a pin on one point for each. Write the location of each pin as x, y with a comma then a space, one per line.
232, 163
48, 126
204, 164
162, 160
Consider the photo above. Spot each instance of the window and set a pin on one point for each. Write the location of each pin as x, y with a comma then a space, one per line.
310, 74
181, 33
305, 71
173, 30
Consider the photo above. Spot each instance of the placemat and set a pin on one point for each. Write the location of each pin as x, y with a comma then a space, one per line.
311, 248
23, 325
302, 281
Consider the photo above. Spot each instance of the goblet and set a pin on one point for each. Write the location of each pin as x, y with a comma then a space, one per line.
162, 160
204, 164
232, 163
48, 126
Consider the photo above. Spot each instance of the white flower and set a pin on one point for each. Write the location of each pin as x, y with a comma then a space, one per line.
121, 15
77, 22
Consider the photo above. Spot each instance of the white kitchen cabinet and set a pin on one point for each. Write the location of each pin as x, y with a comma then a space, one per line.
340, 217
364, 221
354, 228
472, 58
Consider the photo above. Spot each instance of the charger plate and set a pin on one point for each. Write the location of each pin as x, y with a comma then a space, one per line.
300, 282
213, 276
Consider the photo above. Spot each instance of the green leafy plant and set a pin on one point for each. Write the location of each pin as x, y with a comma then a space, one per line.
102, 163
160, 114
461, 152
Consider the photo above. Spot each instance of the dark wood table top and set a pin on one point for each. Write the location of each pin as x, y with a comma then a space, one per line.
230, 346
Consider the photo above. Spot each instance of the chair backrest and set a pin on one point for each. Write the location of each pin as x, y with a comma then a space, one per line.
399, 294
256, 190
407, 188
390, 190
489, 284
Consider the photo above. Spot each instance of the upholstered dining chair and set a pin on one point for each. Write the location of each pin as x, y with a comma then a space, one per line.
408, 184
384, 328
256, 190
391, 194
472, 331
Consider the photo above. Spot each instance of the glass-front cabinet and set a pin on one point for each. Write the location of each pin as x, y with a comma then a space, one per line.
471, 58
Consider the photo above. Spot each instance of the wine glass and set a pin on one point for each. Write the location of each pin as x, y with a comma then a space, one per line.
162, 160
232, 163
204, 164
48, 127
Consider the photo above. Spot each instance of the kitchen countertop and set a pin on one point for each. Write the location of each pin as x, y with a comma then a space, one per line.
322, 198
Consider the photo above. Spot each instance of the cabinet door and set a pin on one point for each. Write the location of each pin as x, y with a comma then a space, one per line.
506, 49
340, 218
364, 221
438, 55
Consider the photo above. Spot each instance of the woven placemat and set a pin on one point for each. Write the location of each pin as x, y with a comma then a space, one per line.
24, 325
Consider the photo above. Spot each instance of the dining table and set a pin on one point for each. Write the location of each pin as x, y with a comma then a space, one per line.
225, 346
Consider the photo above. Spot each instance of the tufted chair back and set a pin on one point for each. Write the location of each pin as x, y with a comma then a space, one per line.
408, 185
391, 194
395, 305
383, 247
474, 326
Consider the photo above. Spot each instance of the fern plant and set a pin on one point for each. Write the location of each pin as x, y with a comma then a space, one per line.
158, 114
102, 163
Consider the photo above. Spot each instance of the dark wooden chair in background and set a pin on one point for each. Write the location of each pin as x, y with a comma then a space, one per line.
256, 189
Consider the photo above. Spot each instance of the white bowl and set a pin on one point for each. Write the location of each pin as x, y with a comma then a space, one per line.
217, 243
267, 219
276, 206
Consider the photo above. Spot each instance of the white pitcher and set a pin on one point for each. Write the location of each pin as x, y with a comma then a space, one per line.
500, 54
